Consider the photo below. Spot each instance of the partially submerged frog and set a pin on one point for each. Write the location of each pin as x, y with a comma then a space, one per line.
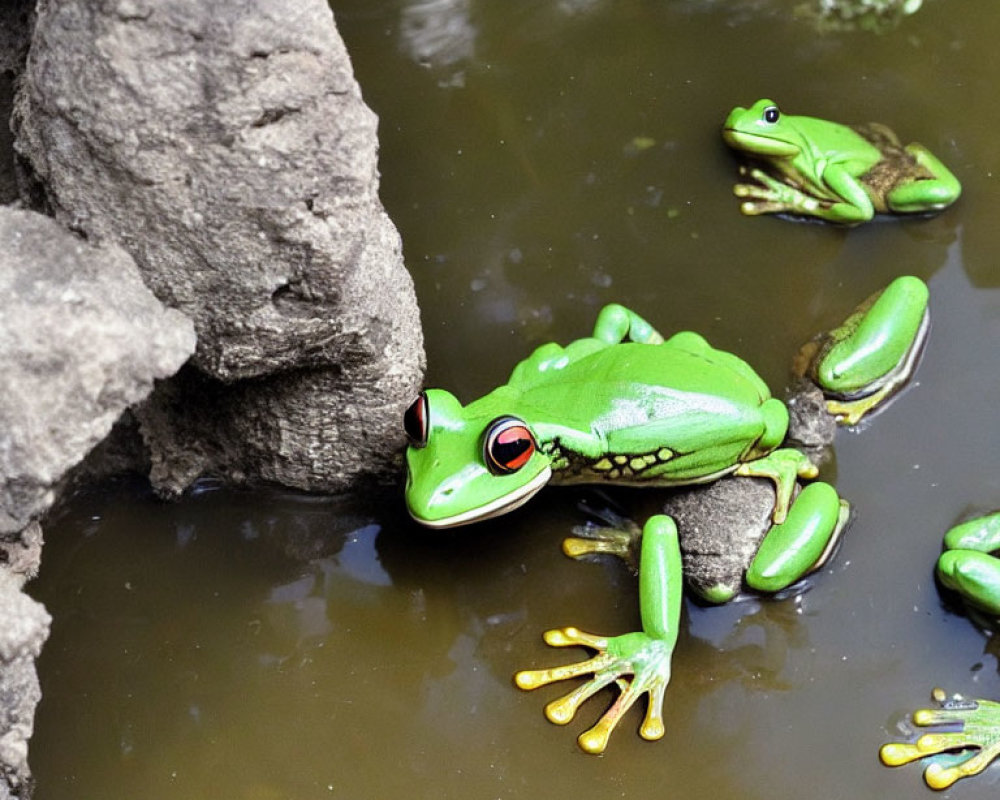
806, 166
969, 567
626, 407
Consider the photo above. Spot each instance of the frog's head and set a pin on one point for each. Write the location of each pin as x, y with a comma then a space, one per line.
761, 130
468, 463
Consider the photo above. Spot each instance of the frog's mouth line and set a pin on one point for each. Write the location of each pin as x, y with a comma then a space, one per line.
496, 508
758, 143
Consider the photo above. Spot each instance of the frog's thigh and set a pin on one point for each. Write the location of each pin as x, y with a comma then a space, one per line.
927, 194
802, 542
974, 575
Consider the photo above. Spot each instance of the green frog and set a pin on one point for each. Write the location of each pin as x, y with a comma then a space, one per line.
971, 740
840, 173
624, 406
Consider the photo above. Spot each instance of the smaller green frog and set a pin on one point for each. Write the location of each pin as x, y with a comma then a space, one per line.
969, 567
840, 173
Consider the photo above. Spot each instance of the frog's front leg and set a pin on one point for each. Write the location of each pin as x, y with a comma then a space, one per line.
784, 466
773, 196
848, 202
639, 663
967, 565
925, 194
979, 722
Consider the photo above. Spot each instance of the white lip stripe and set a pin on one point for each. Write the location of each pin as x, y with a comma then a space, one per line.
499, 506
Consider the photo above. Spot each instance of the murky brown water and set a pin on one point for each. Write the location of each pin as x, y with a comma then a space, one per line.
194, 656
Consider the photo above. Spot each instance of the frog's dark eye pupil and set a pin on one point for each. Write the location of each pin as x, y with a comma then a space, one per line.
415, 421
508, 445
771, 114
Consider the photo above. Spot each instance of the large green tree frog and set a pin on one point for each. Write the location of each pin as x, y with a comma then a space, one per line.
626, 407
806, 166
971, 738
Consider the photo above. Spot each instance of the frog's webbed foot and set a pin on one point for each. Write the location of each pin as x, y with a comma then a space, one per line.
618, 536
861, 364
638, 663
978, 724
772, 196
645, 658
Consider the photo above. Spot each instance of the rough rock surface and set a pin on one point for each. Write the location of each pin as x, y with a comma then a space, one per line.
226, 147
721, 526
24, 627
15, 24
81, 339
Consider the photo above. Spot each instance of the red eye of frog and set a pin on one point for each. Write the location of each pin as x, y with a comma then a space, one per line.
415, 421
508, 445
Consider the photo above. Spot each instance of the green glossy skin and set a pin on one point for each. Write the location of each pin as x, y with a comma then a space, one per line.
839, 173
969, 564
969, 567
624, 406
863, 362
600, 412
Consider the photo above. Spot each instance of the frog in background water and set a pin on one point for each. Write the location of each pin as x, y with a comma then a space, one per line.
811, 167
624, 406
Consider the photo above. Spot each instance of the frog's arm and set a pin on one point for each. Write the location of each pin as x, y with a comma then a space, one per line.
855, 205
840, 199
979, 723
644, 656
967, 566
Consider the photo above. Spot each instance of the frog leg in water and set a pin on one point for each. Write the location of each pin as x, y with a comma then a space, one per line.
925, 194
801, 544
866, 360
967, 565
775, 196
638, 663
980, 731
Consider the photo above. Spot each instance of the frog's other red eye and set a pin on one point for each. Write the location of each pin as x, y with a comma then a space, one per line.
415, 421
508, 445
771, 114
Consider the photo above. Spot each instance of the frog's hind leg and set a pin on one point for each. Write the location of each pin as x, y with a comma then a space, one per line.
803, 542
872, 355
925, 194
972, 747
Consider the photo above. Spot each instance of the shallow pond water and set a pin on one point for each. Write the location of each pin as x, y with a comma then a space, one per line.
542, 158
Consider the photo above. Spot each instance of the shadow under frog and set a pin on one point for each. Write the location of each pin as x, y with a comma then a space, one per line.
627, 407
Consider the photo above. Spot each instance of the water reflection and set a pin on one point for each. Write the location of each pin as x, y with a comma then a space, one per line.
437, 33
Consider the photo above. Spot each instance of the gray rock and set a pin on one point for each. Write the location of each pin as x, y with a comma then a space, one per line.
225, 145
721, 525
24, 627
81, 339
15, 26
